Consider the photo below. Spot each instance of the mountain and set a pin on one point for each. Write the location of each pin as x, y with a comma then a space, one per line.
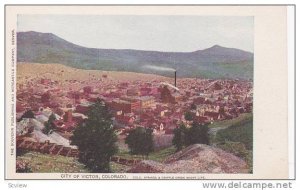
214, 62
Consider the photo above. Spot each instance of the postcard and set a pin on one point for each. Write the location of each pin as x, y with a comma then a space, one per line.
146, 92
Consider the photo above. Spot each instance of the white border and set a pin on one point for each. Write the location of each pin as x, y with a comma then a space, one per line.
145, 185
291, 85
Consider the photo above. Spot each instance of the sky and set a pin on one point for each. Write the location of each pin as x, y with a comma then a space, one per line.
147, 32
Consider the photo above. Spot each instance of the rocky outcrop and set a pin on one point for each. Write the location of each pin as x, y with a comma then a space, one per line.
197, 158
147, 166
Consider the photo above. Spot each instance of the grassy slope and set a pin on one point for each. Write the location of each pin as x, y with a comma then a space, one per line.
241, 131
237, 138
44, 163
159, 155
230, 122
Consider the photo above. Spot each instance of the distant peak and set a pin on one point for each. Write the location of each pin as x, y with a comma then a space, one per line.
36, 33
212, 48
216, 46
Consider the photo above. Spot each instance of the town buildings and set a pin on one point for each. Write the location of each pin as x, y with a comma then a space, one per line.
150, 104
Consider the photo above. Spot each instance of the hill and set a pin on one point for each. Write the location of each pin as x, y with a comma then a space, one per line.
214, 62
237, 138
64, 73
197, 158
240, 131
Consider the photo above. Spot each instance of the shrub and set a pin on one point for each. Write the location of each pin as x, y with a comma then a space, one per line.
140, 141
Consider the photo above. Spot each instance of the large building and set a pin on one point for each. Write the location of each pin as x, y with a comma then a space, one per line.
125, 106
135, 103
140, 102
146, 101
167, 96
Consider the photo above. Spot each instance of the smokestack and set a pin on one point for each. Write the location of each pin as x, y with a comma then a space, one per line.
175, 79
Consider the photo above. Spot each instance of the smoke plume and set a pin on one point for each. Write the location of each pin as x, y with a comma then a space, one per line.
158, 68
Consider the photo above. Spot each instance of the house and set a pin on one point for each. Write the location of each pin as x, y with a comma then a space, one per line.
212, 115
20, 107
121, 105
68, 116
65, 151
45, 81
146, 101
45, 98
45, 148
133, 92
87, 89
145, 91
125, 119
199, 100
55, 149
82, 108
201, 119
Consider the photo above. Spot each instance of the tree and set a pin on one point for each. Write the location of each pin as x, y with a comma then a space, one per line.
179, 137
52, 118
140, 141
188, 116
49, 125
27, 114
46, 128
193, 106
96, 139
198, 134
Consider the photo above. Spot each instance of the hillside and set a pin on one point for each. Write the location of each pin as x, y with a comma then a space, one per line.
197, 158
237, 138
44, 163
240, 131
214, 62
62, 73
